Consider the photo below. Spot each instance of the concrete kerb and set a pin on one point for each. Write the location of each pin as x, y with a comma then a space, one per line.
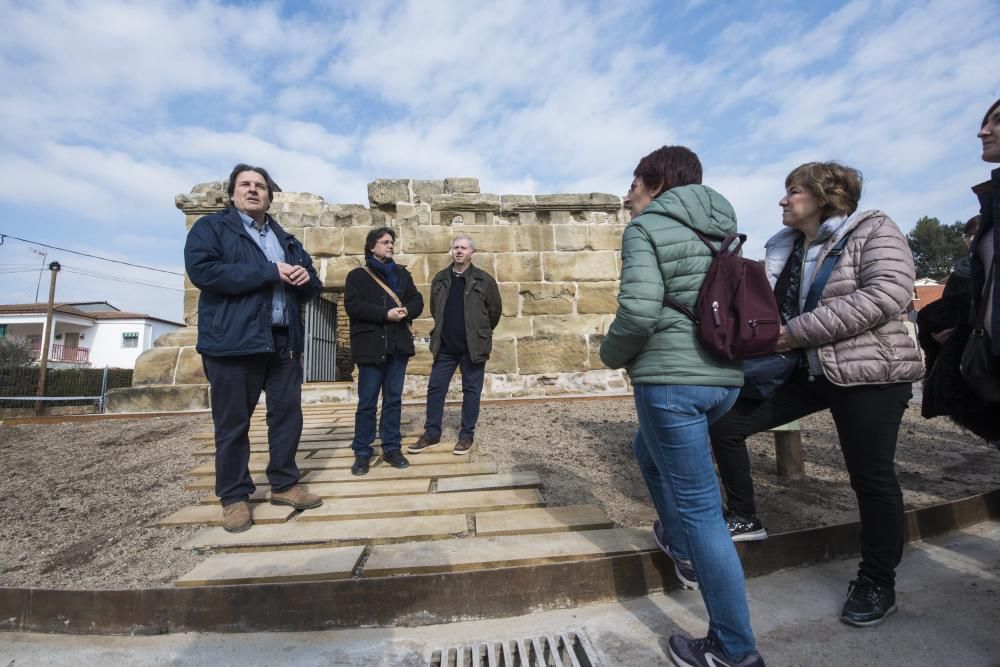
431, 599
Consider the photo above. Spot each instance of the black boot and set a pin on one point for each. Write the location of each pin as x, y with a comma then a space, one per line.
360, 466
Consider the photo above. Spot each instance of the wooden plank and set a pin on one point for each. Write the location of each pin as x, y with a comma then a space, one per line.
542, 520
524, 479
476, 553
208, 483
332, 463
211, 515
273, 567
388, 472
299, 535
418, 505
393, 487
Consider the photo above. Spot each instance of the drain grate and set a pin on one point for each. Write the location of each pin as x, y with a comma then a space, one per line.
566, 649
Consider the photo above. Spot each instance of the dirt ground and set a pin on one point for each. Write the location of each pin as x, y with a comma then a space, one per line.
80, 499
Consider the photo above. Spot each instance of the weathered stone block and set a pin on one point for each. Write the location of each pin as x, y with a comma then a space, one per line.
415, 264
527, 218
519, 267
513, 327
385, 192
594, 351
547, 298
503, 358
160, 398
581, 266
155, 366
509, 203
534, 238
465, 202
424, 191
324, 241
354, 240
425, 240
606, 237
551, 354
191, 306
570, 237
189, 368
489, 238
555, 325
440, 261
461, 185
425, 292
579, 202
597, 297
335, 270
180, 338
420, 363
346, 215
511, 297
422, 326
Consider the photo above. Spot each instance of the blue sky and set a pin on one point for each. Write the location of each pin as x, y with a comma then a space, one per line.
112, 108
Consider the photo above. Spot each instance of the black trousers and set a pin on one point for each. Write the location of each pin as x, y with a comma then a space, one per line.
236, 383
867, 419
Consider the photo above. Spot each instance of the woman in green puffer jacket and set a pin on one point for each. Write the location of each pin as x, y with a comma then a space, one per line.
679, 390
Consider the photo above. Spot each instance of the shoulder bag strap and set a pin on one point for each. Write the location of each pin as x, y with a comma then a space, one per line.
388, 290
825, 269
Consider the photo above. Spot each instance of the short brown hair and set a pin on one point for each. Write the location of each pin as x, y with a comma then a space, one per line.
669, 167
836, 186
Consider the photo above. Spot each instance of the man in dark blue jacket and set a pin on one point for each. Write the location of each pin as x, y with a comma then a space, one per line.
254, 277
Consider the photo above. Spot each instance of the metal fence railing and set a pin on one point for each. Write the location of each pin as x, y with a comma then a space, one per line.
63, 386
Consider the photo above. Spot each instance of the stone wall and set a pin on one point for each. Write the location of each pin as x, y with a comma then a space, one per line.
556, 258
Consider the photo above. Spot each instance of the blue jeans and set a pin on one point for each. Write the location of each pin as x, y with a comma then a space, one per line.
437, 387
672, 449
385, 378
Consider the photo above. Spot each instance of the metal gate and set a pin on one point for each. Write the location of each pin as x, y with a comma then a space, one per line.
320, 356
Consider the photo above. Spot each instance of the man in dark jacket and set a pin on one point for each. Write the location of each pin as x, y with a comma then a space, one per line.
254, 277
466, 305
381, 302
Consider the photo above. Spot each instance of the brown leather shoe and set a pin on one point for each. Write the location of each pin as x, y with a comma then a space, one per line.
422, 443
462, 447
296, 497
236, 517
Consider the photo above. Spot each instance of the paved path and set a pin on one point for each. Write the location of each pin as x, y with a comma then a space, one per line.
949, 599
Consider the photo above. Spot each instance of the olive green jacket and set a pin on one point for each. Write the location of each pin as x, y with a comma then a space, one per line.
656, 344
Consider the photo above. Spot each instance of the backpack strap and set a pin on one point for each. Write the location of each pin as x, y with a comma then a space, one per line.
823, 274
725, 246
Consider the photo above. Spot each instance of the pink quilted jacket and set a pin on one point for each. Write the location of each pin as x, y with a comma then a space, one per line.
856, 327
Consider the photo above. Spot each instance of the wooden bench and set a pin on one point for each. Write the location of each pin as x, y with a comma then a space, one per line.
788, 450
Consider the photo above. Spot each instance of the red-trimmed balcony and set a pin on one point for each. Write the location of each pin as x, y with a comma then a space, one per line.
73, 355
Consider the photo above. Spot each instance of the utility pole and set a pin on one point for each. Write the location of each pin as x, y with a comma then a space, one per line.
43, 362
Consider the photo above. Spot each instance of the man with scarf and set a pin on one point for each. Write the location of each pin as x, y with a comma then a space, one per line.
381, 303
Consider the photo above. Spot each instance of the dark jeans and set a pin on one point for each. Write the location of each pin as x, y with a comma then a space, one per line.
387, 379
437, 387
867, 419
236, 383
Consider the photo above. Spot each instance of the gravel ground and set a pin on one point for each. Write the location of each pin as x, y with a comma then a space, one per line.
81, 498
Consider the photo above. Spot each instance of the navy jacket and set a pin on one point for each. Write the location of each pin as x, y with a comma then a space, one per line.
236, 280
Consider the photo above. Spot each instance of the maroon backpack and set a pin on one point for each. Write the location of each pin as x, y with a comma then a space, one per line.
736, 315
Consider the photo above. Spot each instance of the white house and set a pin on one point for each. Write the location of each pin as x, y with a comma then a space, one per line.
89, 334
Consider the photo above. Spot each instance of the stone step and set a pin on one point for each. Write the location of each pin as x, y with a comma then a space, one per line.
542, 520
388, 472
524, 479
417, 505
298, 535
392, 487
211, 515
274, 566
477, 553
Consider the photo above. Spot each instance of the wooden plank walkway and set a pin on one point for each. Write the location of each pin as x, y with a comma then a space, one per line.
444, 513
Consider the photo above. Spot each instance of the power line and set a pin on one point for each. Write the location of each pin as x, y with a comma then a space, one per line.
131, 281
75, 252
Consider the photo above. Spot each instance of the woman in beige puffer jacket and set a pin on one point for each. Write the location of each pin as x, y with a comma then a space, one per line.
853, 356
